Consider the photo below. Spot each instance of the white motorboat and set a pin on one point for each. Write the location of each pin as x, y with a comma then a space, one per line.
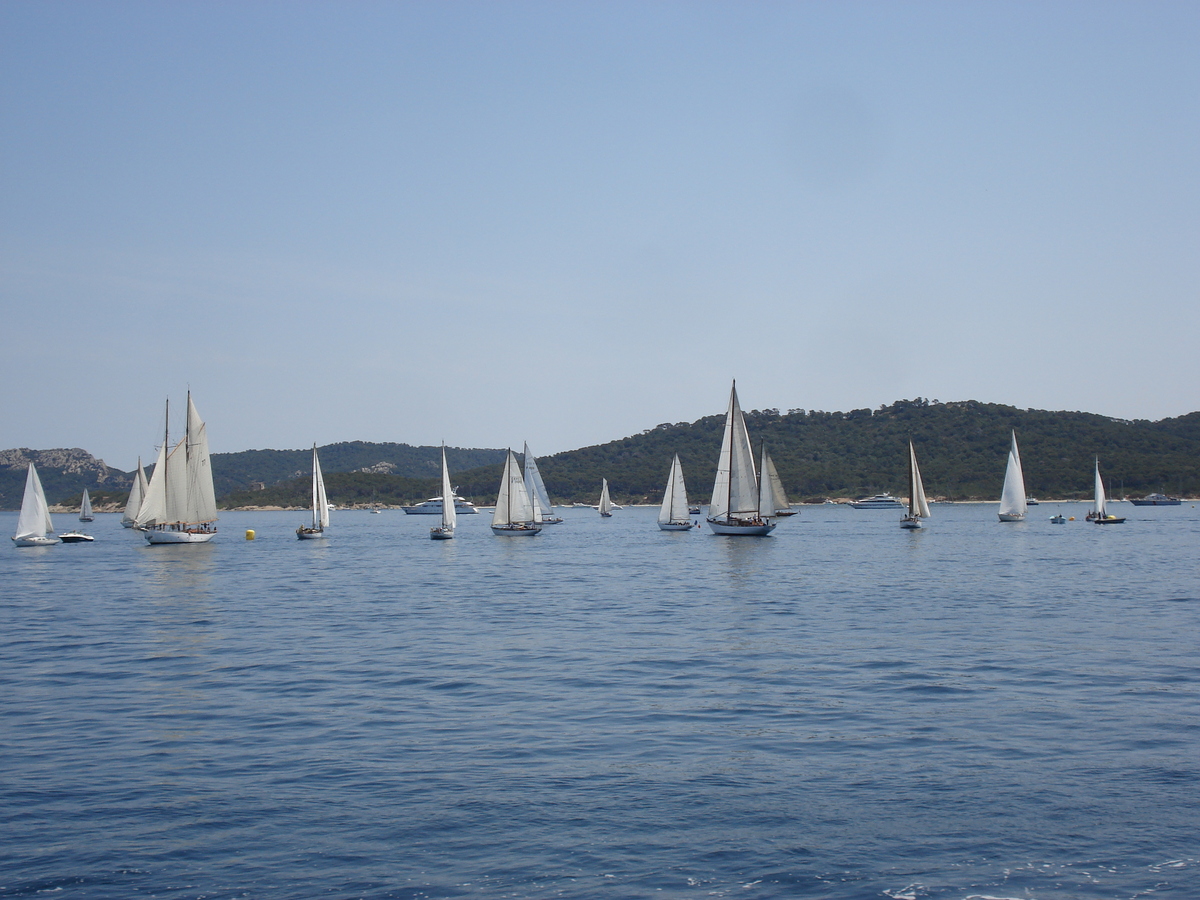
742, 503
674, 514
34, 528
75, 537
180, 505
879, 501
445, 531
433, 507
514, 510
320, 504
918, 506
1012, 497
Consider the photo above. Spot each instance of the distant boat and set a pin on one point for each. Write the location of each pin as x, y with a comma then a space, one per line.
605, 506
537, 490
879, 501
1156, 500
741, 504
34, 528
781, 501
1012, 497
75, 537
374, 506
180, 505
514, 511
433, 507
136, 492
1032, 501
445, 531
918, 506
673, 515
320, 504
85, 508
1099, 514
1058, 519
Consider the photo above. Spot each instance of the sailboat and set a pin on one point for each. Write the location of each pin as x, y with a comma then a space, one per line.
918, 506
1012, 497
605, 506
514, 511
34, 528
85, 515
783, 507
673, 515
320, 504
537, 489
136, 492
85, 508
180, 505
445, 531
1100, 515
741, 503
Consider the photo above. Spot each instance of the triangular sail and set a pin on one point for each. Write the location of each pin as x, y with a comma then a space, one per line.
136, 492
674, 505
534, 483
34, 520
918, 506
153, 509
768, 502
201, 504
320, 501
1012, 497
1100, 500
605, 506
735, 489
512, 502
449, 512
781, 500
85, 508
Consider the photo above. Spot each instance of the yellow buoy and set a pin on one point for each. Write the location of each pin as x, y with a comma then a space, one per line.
249, 534
1072, 519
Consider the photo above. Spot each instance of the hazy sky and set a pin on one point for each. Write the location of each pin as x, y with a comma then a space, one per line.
567, 222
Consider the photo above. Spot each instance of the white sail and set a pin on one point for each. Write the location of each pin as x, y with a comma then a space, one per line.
735, 490
534, 483
1012, 497
918, 506
85, 508
512, 502
768, 502
674, 505
320, 500
768, 471
34, 520
449, 512
1100, 501
201, 505
605, 506
136, 492
154, 504
177, 484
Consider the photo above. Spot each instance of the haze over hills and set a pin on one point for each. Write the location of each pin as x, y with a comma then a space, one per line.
961, 447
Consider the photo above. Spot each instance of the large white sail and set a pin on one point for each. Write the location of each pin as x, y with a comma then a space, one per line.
85, 508
1012, 497
512, 502
34, 520
533, 482
917, 504
735, 489
201, 505
153, 508
320, 501
605, 506
768, 471
768, 501
1099, 486
137, 491
449, 513
674, 505
177, 484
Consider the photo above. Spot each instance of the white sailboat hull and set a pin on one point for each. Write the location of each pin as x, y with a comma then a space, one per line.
740, 526
35, 541
911, 522
309, 534
516, 530
441, 534
162, 536
675, 526
1012, 517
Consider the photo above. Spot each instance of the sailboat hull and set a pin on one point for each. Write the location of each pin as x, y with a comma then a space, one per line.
156, 536
1012, 517
34, 541
675, 526
911, 522
1109, 520
740, 527
309, 534
515, 530
441, 534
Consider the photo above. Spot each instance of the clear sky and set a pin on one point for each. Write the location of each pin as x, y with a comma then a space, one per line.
566, 222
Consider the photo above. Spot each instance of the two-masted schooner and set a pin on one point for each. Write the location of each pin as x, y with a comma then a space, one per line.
180, 505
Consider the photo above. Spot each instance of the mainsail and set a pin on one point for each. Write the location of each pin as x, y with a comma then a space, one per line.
674, 505
320, 501
534, 484
449, 512
34, 520
1099, 486
918, 506
1012, 497
136, 492
768, 468
512, 502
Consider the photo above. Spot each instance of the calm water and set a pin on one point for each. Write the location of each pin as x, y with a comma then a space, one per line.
842, 710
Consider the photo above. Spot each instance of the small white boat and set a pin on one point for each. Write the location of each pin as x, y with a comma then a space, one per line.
918, 506
75, 537
742, 503
320, 504
180, 505
879, 501
1012, 496
1058, 519
1099, 514
445, 531
674, 514
433, 507
514, 510
34, 528
136, 492
85, 509
605, 506
537, 490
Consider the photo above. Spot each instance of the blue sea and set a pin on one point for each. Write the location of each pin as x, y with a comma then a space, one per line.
841, 710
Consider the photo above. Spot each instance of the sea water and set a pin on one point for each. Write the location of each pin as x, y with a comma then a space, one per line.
841, 710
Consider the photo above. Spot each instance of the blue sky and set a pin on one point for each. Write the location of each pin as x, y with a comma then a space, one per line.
567, 222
